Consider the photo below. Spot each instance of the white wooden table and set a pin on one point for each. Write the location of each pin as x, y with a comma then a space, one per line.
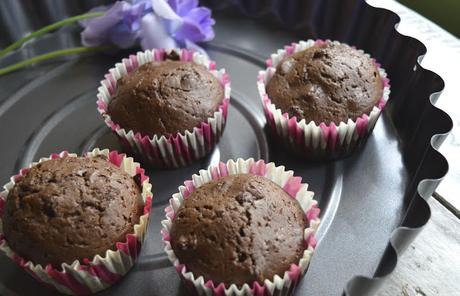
431, 264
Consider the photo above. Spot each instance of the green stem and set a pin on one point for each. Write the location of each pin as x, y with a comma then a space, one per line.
48, 28
50, 55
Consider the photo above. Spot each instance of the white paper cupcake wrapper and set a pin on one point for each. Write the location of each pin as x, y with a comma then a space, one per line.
280, 285
309, 139
88, 276
173, 150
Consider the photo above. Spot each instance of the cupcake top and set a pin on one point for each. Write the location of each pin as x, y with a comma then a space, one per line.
238, 229
165, 97
70, 208
326, 83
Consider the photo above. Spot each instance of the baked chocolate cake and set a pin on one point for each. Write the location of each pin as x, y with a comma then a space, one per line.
165, 97
239, 229
329, 82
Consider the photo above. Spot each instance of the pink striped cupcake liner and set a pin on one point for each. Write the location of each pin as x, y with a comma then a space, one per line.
168, 151
87, 276
283, 284
308, 139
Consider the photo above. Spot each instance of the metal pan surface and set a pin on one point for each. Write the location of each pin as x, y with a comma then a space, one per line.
363, 198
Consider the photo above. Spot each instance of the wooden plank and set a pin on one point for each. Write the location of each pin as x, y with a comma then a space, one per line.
431, 264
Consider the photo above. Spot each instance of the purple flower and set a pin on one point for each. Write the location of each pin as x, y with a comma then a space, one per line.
153, 33
119, 25
196, 21
153, 23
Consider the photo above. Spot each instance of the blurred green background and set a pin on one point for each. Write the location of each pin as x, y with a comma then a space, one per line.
445, 13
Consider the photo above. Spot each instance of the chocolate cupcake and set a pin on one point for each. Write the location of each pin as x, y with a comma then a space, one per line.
323, 98
326, 83
71, 208
240, 230
82, 218
165, 97
169, 108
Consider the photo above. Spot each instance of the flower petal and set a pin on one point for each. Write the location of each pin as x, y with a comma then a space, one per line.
189, 30
147, 3
123, 36
164, 10
153, 33
196, 26
102, 8
135, 13
184, 6
200, 15
97, 29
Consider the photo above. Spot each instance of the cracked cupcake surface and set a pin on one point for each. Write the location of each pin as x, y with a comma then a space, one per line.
238, 229
67, 209
326, 83
165, 97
